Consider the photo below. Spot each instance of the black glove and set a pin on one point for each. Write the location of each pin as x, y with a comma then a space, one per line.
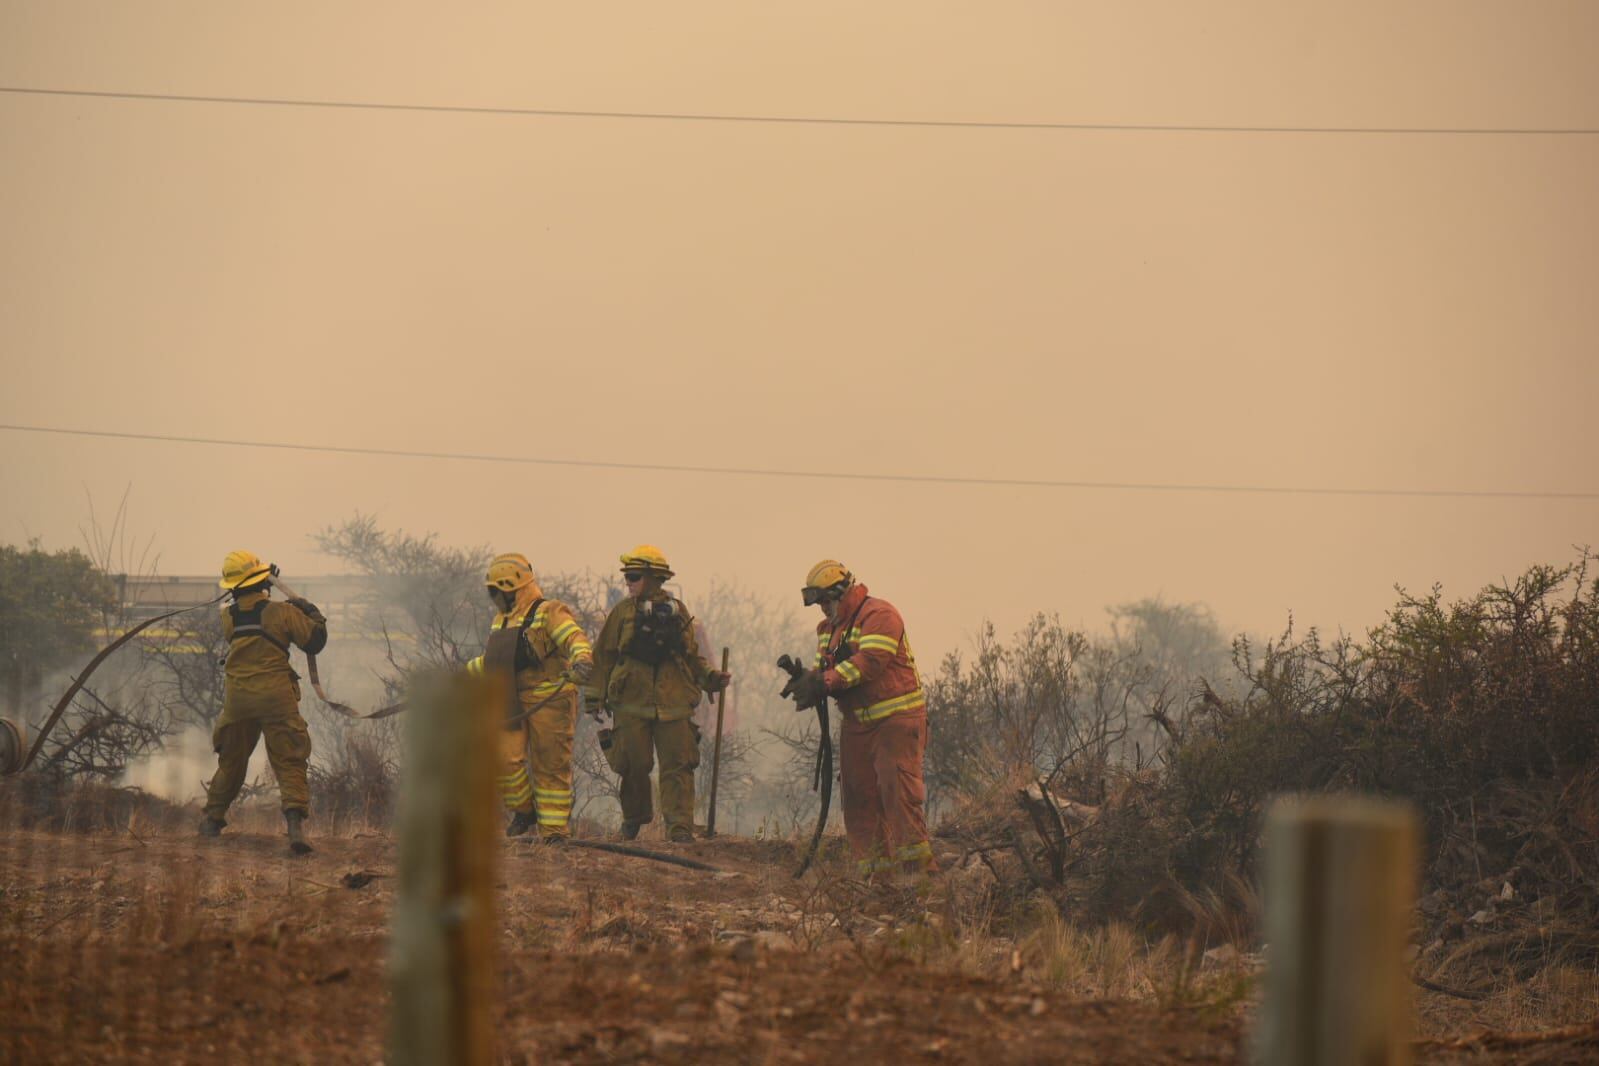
309, 608
716, 681
808, 689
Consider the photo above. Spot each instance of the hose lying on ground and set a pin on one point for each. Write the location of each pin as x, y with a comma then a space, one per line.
641, 853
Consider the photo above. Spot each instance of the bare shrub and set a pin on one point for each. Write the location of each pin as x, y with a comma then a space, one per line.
356, 783
1057, 704
58, 606
1478, 711
186, 668
432, 592
54, 804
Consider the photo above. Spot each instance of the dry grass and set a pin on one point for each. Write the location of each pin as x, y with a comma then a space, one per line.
1555, 995
150, 936
32, 801
148, 890
957, 923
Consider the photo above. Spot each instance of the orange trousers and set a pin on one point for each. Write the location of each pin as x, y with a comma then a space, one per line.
881, 771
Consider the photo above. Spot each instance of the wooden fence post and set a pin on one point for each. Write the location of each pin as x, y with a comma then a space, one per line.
1340, 886
442, 953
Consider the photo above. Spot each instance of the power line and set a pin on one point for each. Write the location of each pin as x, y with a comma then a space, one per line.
803, 120
826, 475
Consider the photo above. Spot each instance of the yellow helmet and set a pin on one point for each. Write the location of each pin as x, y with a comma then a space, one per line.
509, 572
827, 574
243, 569
647, 557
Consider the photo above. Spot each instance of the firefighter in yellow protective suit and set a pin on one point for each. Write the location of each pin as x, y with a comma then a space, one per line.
539, 643
649, 674
261, 694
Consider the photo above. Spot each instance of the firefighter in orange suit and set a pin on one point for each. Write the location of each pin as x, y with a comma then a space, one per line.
537, 642
864, 662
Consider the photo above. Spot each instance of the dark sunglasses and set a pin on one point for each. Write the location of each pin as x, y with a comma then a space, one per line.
631, 576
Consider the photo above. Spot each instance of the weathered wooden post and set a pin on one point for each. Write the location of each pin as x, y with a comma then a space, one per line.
441, 962
1340, 884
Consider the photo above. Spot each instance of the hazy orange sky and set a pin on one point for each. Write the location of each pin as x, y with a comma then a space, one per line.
1385, 311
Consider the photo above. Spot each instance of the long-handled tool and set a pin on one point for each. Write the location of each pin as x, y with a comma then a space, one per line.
716, 753
822, 780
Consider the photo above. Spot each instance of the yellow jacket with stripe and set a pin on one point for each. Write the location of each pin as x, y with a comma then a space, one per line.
553, 644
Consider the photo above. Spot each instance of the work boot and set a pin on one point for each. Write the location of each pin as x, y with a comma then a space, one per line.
556, 839
522, 822
680, 834
630, 830
297, 844
211, 827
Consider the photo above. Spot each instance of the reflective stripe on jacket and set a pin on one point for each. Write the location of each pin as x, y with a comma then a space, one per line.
553, 635
870, 670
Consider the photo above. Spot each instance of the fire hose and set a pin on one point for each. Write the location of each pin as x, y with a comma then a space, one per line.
640, 853
316, 681
822, 777
394, 708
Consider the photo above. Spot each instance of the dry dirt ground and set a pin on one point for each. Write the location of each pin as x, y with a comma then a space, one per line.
150, 945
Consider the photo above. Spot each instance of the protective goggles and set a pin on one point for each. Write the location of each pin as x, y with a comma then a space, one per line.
813, 595
631, 576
